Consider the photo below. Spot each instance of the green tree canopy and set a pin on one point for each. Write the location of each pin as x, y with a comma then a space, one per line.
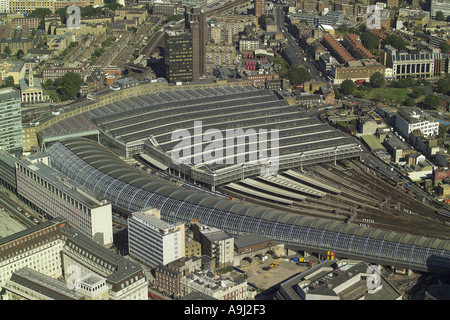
417, 92
174, 17
262, 21
297, 74
396, 41
348, 86
445, 47
409, 102
440, 16
377, 80
40, 13
7, 50
370, 40
71, 83
431, 102
443, 86
9, 82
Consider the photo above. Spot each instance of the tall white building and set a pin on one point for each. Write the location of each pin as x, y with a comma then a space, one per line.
406, 122
10, 121
57, 196
154, 241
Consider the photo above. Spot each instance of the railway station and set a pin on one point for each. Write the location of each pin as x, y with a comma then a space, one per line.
130, 189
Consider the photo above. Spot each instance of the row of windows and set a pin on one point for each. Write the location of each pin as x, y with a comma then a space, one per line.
56, 191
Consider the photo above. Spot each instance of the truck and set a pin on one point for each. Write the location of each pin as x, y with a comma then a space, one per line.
274, 265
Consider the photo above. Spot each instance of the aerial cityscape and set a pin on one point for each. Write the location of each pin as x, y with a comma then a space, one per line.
241, 150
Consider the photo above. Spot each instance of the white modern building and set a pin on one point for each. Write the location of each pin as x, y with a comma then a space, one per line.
406, 122
10, 121
57, 196
153, 241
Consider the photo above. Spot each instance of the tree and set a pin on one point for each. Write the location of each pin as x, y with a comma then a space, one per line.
445, 47
440, 16
19, 54
262, 21
9, 82
348, 86
379, 97
417, 92
71, 83
40, 13
377, 80
431, 102
174, 17
443, 86
370, 40
114, 5
409, 102
296, 74
397, 42
7, 50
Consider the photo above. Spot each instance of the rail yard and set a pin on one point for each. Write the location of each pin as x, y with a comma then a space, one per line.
364, 199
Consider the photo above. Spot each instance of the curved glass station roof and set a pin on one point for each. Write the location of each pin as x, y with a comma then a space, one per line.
102, 172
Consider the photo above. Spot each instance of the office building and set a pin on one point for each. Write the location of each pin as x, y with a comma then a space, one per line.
11, 121
440, 5
37, 248
216, 243
54, 195
260, 7
153, 241
92, 287
338, 280
355, 70
413, 63
8, 172
28, 284
178, 56
195, 24
124, 278
408, 121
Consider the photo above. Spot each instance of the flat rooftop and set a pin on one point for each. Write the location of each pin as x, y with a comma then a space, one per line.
64, 184
344, 280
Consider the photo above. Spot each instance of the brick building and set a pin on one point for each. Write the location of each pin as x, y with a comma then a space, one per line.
20, 23
54, 73
336, 49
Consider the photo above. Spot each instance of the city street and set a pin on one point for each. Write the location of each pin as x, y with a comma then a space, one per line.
309, 65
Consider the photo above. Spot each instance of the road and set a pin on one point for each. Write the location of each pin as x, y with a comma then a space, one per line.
308, 64
11, 207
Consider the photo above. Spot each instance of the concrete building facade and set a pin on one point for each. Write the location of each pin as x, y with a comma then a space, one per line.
154, 241
11, 121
